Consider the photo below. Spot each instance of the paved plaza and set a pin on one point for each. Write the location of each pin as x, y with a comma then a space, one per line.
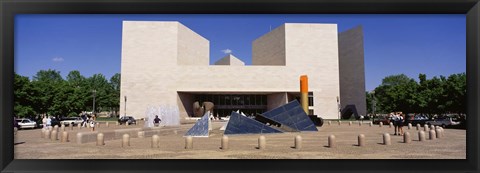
30, 145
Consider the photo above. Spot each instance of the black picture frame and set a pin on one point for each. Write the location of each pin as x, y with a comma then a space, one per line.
9, 8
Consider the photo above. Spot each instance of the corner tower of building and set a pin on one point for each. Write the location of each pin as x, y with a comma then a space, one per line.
352, 72
151, 51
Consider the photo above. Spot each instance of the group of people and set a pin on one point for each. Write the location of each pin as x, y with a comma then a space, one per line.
398, 120
90, 121
47, 121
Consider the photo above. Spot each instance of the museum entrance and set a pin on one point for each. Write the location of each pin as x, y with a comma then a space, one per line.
249, 104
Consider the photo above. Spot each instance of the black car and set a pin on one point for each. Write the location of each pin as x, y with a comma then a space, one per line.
54, 121
127, 119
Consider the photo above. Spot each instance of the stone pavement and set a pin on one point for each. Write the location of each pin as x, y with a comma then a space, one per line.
29, 145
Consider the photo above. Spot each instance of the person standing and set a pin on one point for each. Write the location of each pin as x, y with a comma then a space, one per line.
400, 124
395, 122
156, 121
15, 125
44, 121
92, 124
49, 121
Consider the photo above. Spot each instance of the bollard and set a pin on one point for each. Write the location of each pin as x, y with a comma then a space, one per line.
224, 144
380, 124
361, 140
409, 125
425, 128
418, 126
350, 123
431, 135
155, 141
438, 132
141, 134
391, 125
298, 142
406, 137
371, 124
188, 142
54, 135
125, 140
421, 136
116, 123
262, 142
71, 127
386, 139
65, 136
339, 122
331, 141
97, 125
55, 127
359, 123
106, 124
126, 124
48, 134
100, 139
432, 127
42, 135
329, 122
79, 126
443, 131
62, 128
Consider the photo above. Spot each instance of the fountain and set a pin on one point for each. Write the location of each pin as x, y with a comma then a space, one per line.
167, 113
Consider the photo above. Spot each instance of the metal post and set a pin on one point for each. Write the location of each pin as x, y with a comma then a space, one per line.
125, 108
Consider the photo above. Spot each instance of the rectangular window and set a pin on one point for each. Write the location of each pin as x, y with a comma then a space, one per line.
310, 99
242, 100
215, 99
252, 100
221, 100
227, 100
264, 100
247, 100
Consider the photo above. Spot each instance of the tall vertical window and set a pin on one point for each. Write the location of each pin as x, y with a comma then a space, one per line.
310, 99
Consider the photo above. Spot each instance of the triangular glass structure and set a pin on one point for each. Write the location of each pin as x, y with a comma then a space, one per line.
200, 129
239, 124
291, 115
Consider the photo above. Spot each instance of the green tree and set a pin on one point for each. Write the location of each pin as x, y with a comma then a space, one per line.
46, 84
23, 96
114, 97
392, 93
100, 88
456, 90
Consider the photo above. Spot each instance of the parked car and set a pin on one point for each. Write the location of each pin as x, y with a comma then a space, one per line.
127, 119
71, 121
443, 121
417, 119
54, 121
381, 118
26, 123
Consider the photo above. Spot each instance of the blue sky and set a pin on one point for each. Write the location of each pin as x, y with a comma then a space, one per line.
394, 44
